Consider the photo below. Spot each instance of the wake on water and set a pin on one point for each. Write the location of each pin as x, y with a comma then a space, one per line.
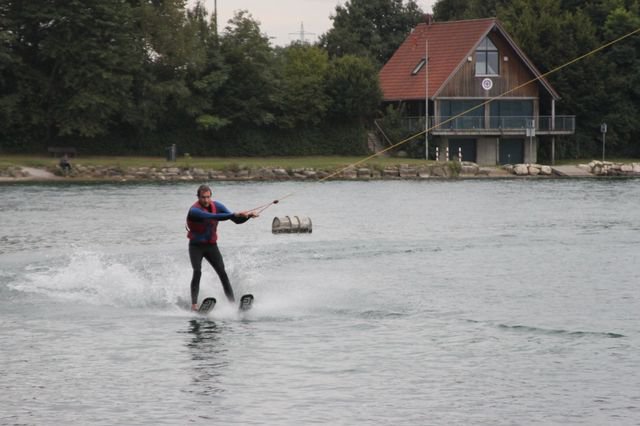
99, 279
160, 283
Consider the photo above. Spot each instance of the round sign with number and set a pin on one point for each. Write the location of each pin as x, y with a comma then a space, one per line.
487, 84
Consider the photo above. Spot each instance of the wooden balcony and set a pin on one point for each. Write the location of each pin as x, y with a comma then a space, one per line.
493, 126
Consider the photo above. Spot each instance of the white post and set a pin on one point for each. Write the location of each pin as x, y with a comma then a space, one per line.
437, 154
447, 154
460, 154
531, 132
531, 150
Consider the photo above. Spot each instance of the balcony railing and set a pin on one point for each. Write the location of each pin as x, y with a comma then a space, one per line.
565, 124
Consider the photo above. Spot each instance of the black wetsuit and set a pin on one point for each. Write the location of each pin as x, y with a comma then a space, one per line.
202, 244
212, 254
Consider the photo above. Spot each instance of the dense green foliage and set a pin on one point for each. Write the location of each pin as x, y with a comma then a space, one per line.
58, 83
123, 77
604, 87
371, 28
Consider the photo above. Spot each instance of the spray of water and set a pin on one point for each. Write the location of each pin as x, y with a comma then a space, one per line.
100, 279
160, 282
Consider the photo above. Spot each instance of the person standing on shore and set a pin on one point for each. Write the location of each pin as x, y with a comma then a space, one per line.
65, 165
202, 224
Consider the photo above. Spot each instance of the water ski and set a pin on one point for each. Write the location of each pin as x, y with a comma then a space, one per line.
207, 305
245, 302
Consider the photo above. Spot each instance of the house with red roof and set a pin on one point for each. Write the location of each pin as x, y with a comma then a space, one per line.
485, 101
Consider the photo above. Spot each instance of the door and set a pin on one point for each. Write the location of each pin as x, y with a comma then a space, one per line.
468, 147
511, 151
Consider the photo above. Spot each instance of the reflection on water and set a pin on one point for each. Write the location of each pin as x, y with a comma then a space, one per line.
208, 354
203, 331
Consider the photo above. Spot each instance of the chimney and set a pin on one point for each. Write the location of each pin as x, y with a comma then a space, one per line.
428, 18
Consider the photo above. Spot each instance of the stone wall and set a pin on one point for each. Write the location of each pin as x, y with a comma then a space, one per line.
401, 171
607, 168
13, 172
440, 170
528, 169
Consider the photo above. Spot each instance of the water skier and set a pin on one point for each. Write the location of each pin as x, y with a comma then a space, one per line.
202, 224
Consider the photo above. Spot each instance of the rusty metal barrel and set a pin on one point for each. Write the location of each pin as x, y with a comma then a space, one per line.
291, 225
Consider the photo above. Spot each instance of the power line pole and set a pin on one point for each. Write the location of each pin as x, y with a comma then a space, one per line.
215, 18
302, 33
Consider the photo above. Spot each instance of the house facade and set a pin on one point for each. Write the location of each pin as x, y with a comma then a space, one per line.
484, 99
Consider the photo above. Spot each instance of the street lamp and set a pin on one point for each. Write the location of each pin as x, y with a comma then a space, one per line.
603, 130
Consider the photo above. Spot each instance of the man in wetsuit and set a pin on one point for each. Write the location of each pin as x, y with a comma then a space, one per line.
202, 224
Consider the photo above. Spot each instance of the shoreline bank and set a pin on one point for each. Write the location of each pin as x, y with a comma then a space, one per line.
448, 170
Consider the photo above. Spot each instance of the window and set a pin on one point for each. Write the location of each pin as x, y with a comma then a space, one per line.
487, 62
418, 67
511, 114
473, 119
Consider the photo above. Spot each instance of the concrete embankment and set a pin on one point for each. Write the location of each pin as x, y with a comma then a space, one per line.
442, 170
401, 171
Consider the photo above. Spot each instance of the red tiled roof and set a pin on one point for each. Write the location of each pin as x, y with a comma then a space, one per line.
449, 43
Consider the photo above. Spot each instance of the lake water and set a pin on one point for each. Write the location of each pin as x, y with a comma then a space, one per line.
494, 302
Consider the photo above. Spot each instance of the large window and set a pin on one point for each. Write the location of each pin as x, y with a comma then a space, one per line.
487, 62
473, 119
511, 114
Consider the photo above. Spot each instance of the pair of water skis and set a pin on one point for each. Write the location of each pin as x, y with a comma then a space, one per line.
246, 301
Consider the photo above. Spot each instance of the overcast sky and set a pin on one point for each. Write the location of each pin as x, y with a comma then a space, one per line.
281, 19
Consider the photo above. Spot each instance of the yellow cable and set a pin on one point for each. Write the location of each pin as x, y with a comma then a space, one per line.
402, 142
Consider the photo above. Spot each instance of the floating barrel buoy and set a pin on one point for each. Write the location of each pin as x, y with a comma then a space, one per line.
291, 225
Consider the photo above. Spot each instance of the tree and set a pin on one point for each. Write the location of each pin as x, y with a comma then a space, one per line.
69, 70
206, 71
623, 82
449, 10
72, 85
247, 97
9, 63
372, 28
354, 88
160, 92
303, 73
454, 10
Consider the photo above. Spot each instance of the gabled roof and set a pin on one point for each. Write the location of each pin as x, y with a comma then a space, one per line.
449, 44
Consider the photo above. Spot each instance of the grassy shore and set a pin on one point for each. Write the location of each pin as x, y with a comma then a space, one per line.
219, 163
